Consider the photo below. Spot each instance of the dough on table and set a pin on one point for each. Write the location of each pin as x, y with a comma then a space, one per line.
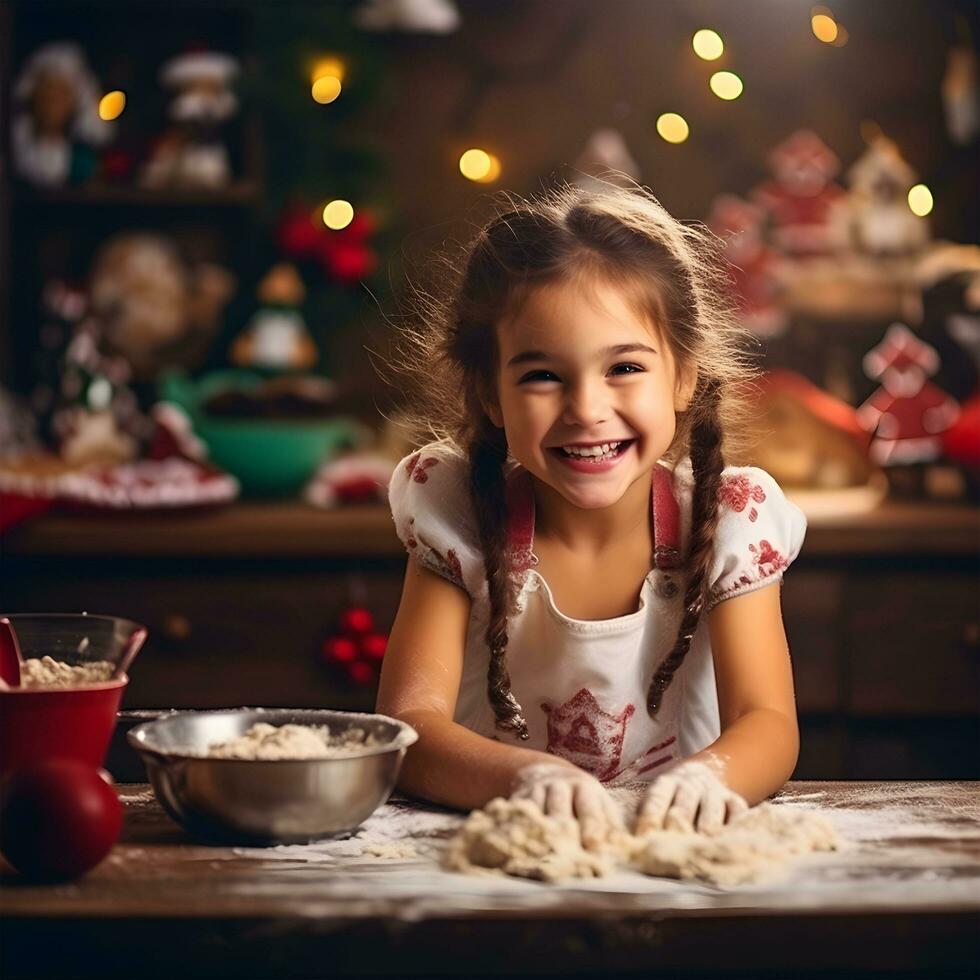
515, 837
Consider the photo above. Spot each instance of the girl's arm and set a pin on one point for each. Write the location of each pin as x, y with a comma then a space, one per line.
759, 742
420, 676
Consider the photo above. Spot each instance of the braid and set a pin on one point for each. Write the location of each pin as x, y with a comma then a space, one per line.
487, 455
706, 464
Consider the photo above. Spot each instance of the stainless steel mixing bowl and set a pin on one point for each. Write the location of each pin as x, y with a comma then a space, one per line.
261, 801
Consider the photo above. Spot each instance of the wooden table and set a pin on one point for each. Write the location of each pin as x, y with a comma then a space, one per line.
905, 898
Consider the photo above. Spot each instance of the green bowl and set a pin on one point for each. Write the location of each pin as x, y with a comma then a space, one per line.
270, 457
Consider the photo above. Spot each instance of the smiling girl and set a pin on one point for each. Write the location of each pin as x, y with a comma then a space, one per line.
592, 596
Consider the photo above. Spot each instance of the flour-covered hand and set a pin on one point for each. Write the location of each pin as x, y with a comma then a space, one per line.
691, 796
565, 791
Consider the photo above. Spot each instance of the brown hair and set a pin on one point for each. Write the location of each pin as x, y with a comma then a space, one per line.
673, 276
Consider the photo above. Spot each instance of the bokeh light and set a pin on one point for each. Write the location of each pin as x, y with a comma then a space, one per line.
920, 200
726, 85
329, 65
823, 24
111, 105
479, 165
338, 214
673, 127
708, 44
326, 88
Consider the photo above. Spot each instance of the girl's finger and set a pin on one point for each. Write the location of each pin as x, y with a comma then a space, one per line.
683, 810
655, 804
711, 813
559, 799
614, 816
588, 810
539, 795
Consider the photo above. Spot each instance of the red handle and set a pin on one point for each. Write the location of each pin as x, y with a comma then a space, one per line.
10, 658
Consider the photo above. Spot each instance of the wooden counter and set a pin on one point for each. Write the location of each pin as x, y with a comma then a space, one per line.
904, 898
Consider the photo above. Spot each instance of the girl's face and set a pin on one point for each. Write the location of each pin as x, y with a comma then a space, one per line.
580, 369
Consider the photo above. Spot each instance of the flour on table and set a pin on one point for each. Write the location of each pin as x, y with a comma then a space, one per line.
515, 837
264, 741
48, 672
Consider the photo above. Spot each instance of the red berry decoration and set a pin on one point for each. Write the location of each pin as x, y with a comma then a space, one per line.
373, 645
361, 672
356, 620
339, 650
58, 819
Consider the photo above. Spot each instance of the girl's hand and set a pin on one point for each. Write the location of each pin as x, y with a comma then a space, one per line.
562, 790
689, 792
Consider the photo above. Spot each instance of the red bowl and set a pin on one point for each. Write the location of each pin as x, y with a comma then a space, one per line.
44, 723
67, 723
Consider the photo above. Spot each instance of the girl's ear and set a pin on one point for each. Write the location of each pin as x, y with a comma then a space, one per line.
684, 388
492, 408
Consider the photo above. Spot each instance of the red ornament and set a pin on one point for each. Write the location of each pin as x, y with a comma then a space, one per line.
339, 650
299, 235
374, 645
361, 672
348, 262
58, 818
356, 620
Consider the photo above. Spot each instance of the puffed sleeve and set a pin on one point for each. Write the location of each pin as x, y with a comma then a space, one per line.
759, 533
433, 515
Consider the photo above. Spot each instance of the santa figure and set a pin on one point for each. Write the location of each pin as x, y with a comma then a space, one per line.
803, 202
751, 263
191, 153
907, 415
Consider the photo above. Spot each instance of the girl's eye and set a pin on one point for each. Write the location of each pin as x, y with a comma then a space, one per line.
548, 376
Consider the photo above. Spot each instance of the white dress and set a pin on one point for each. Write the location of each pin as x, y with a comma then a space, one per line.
583, 684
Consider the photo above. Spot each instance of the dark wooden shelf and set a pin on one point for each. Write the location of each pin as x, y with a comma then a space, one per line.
293, 529
240, 192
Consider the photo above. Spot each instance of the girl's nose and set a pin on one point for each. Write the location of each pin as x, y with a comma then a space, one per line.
585, 404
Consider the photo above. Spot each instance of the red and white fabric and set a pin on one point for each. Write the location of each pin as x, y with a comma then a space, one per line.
583, 684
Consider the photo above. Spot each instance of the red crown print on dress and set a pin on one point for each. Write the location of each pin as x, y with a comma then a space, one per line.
581, 732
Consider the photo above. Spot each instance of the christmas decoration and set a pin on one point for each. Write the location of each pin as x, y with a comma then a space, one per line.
802, 200
154, 309
56, 119
751, 263
961, 94
881, 222
606, 159
355, 478
415, 16
906, 415
191, 153
344, 255
356, 649
276, 337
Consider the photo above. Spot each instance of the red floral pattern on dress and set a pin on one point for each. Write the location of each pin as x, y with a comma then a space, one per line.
767, 558
736, 491
581, 732
416, 467
447, 566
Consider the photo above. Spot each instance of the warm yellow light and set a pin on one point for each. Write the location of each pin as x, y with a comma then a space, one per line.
338, 214
842, 36
326, 89
920, 200
708, 44
726, 85
111, 105
494, 172
479, 165
673, 128
824, 27
328, 66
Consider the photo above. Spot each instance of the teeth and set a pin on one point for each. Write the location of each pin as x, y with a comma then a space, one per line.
601, 450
